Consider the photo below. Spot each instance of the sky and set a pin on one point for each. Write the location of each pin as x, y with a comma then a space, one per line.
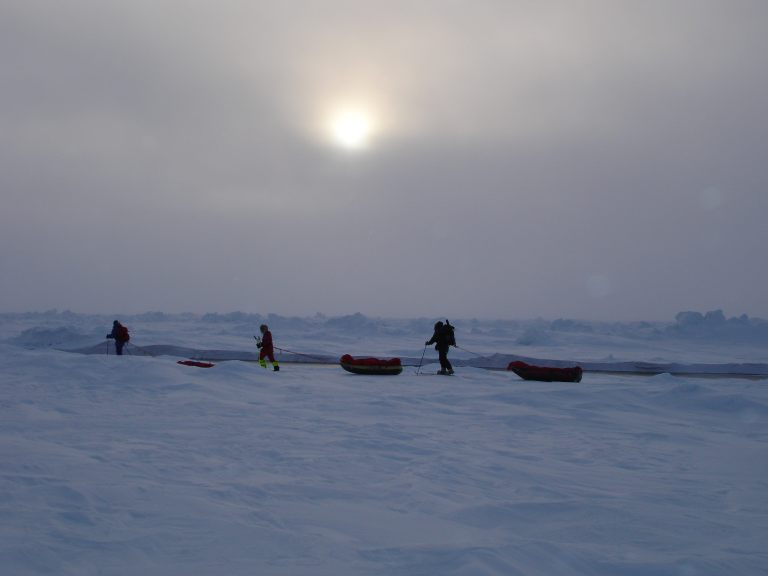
493, 159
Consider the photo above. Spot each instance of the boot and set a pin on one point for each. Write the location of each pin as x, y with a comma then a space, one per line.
276, 369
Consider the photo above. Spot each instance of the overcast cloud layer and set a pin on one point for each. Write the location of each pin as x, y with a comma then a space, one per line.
594, 159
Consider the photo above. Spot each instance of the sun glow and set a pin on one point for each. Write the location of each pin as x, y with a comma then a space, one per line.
351, 129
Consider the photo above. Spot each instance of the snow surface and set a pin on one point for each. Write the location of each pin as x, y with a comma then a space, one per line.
137, 465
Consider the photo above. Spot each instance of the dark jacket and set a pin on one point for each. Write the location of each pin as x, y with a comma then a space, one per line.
443, 337
119, 333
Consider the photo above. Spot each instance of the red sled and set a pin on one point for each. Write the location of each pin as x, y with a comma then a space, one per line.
371, 366
545, 373
196, 363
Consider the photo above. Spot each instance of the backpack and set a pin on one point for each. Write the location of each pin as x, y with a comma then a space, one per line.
122, 334
450, 337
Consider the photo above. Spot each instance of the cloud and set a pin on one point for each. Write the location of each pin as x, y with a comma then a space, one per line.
531, 157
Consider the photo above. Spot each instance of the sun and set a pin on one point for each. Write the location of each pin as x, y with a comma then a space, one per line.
351, 128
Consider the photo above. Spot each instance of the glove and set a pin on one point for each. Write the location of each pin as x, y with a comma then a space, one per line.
258, 345
109, 336
426, 343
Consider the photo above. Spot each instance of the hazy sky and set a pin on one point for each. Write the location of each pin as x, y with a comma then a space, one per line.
583, 159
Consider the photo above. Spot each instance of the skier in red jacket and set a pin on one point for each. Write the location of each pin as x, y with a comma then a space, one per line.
267, 348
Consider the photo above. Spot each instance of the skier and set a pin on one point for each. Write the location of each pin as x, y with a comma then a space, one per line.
443, 338
120, 335
267, 348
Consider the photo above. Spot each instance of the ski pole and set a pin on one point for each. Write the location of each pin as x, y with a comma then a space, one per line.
107, 347
422, 360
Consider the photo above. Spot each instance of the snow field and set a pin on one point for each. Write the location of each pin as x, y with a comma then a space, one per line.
138, 465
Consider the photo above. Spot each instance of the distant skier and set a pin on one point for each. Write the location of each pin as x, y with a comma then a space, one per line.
267, 348
443, 338
120, 335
